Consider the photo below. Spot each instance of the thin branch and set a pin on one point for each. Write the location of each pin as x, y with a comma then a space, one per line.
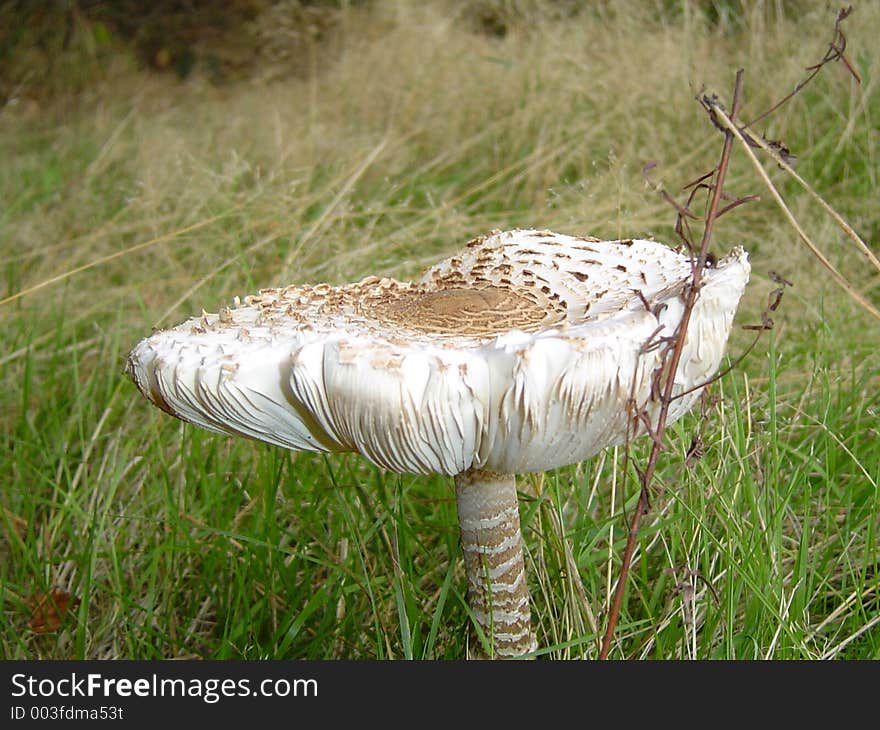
727, 122
664, 375
844, 226
657, 188
736, 203
835, 52
674, 359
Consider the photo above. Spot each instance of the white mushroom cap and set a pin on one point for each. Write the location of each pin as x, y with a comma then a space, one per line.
521, 353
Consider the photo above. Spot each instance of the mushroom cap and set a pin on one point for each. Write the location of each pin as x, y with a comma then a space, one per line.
526, 351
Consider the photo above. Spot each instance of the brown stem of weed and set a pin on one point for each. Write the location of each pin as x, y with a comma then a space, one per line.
675, 356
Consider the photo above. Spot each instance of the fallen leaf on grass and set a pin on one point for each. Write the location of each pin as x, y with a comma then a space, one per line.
49, 609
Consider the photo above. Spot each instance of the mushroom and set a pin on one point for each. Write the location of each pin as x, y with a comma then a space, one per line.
527, 350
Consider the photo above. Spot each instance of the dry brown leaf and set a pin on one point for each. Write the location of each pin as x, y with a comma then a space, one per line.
48, 610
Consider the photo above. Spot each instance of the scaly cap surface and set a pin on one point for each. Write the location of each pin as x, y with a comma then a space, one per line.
520, 353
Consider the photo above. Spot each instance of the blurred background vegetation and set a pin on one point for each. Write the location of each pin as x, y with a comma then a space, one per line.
58, 46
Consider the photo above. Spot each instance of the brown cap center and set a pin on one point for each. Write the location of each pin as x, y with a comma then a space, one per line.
481, 312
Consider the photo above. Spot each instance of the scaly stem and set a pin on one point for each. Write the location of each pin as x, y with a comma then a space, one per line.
498, 594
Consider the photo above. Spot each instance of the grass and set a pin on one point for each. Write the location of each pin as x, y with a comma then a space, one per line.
141, 200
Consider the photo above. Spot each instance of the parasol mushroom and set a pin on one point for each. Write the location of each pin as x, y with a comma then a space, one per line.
526, 351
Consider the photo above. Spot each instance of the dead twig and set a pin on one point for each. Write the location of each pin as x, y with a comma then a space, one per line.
713, 183
835, 52
674, 358
727, 122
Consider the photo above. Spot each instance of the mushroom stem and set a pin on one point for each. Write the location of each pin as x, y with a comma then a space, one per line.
498, 594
